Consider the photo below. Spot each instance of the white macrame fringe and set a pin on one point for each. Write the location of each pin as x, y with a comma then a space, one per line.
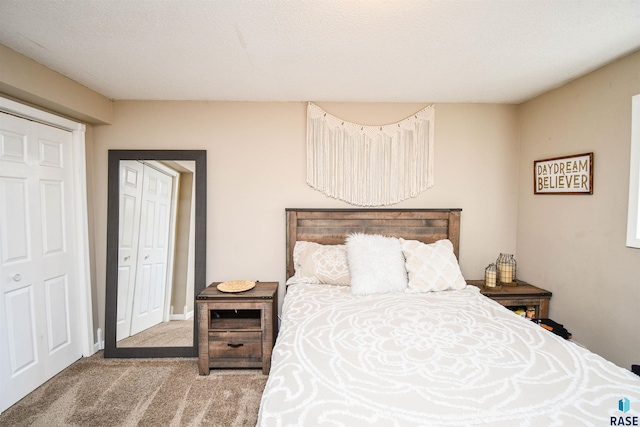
369, 165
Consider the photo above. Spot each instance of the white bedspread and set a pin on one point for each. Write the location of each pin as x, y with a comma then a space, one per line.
451, 358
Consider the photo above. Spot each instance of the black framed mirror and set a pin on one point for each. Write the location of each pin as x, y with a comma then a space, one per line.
156, 252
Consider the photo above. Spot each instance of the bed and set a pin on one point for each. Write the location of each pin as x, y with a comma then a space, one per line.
350, 354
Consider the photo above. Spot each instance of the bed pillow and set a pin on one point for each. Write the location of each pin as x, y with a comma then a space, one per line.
376, 264
431, 267
316, 263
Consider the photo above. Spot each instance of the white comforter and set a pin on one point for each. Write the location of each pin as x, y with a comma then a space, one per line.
451, 358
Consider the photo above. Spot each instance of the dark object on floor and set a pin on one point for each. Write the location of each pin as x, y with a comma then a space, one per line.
635, 369
554, 327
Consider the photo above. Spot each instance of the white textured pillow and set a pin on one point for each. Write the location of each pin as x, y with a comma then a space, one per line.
432, 267
376, 264
316, 263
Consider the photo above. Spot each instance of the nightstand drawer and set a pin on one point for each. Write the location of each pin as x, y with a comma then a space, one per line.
236, 344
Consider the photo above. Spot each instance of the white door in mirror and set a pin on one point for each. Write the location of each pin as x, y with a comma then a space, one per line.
145, 221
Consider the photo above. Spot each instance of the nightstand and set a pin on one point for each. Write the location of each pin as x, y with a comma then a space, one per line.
522, 295
237, 330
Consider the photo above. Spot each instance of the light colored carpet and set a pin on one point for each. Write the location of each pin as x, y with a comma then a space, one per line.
141, 392
176, 333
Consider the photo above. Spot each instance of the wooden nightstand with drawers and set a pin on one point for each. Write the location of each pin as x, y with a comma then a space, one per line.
237, 330
522, 295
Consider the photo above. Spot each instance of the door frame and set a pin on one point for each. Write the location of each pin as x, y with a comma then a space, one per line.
81, 231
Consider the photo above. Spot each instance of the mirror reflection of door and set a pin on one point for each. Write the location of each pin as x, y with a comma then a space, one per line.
156, 236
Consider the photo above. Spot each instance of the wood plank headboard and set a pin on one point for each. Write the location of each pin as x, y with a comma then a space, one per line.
332, 226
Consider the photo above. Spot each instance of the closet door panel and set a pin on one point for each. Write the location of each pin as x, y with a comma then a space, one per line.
153, 254
131, 181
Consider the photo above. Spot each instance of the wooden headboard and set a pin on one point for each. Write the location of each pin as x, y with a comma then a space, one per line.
332, 226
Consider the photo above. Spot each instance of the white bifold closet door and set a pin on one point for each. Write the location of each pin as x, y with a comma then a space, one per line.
146, 197
39, 328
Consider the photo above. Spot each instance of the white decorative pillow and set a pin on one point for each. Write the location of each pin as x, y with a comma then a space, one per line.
431, 267
316, 263
376, 264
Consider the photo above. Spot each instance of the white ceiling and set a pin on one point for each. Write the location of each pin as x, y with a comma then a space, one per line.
503, 51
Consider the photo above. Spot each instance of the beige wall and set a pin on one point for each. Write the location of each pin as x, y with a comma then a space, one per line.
24, 79
574, 246
256, 169
182, 301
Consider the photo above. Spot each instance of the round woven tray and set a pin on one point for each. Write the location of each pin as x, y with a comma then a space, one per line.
236, 286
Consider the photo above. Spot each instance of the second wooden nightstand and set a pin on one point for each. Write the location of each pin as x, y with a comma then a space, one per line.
518, 296
237, 330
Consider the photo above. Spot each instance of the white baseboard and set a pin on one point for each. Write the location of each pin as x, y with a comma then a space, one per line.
97, 346
186, 315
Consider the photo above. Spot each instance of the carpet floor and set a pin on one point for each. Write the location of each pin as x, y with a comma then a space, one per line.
141, 392
176, 333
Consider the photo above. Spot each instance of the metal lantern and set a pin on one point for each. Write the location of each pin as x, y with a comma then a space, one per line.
490, 276
506, 266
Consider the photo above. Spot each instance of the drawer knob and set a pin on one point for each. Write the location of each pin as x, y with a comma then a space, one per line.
233, 345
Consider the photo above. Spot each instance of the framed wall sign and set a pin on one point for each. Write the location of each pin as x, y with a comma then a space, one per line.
564, 175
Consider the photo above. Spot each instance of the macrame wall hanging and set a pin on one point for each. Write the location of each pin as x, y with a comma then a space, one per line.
369, 165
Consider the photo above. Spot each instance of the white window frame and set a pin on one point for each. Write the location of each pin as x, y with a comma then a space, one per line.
633, 216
